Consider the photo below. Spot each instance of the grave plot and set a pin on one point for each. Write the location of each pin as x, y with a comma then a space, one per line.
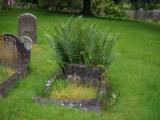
14, 59
15, 51
78, 86
84, 54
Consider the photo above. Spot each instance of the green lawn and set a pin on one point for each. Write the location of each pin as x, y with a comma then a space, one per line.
134, 75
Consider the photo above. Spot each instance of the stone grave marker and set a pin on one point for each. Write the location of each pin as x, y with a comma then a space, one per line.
8, 51
15, 51
27, 26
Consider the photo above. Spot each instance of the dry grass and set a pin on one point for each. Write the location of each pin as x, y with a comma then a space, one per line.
74, 91
5, 72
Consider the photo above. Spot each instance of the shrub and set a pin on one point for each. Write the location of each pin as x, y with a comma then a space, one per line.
0, 3
108, 7
76, 42
60, 4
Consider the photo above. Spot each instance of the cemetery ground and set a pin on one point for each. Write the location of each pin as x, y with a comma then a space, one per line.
5, 72
134, 74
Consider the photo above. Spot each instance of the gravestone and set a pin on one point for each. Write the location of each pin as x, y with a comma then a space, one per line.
8, 51
156, 14
27, 26
141, 14
15, 51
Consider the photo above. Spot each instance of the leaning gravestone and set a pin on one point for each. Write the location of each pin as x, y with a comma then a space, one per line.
27, 26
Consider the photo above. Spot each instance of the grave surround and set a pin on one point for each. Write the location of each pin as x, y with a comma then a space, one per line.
10, 41
15, 51
84, 74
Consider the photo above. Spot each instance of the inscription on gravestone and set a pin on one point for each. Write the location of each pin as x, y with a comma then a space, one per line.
27, 26
8, 51
15, 51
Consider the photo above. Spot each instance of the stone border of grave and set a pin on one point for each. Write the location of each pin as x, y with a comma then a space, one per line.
23, 48
7, 84
84, 74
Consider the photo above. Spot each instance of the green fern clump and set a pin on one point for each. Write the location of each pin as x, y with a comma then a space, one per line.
76, 42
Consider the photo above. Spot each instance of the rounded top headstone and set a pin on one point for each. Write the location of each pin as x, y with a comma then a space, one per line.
17, 47
27, 26
26, 15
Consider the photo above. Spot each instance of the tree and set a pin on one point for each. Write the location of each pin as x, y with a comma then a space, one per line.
86, 7
116, 1
5, 4
140, 3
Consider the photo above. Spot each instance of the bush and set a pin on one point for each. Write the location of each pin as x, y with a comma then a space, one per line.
30, 1
60, 4
0, 3
76, 42
108, 7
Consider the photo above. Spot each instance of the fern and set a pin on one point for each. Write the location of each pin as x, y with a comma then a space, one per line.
77, 42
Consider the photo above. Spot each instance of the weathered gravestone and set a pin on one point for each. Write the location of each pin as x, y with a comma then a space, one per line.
15, 51
8, 51
27, 26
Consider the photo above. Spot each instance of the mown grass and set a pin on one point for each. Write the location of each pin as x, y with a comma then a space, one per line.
134, 75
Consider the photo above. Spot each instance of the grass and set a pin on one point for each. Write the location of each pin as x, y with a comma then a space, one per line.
5, 72
135, 75
72, 90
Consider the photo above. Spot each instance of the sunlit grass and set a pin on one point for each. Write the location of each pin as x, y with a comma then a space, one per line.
135, 75
5, 72
72, 91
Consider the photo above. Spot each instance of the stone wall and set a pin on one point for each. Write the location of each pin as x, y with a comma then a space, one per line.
144, 14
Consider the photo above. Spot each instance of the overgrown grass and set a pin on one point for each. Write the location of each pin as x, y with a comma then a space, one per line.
65, 89
5, 72
134, 75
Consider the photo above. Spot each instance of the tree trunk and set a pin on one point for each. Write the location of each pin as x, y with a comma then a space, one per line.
5, 4
135, 4
86, 7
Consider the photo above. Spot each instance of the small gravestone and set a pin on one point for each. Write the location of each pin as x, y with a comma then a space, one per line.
141, 14
27, 26
156, 15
